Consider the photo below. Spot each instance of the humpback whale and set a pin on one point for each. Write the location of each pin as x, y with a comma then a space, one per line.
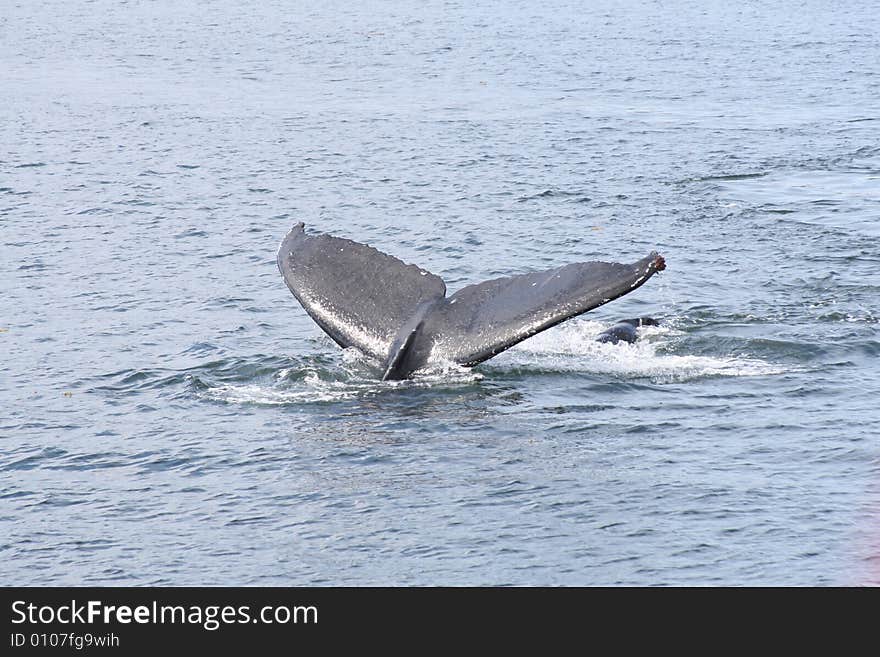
625, 330
399, 313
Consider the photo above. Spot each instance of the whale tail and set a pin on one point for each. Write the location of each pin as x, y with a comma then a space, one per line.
400, 315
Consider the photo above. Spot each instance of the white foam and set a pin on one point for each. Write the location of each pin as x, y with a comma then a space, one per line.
313, 390
570, 347
573, 347
356, 380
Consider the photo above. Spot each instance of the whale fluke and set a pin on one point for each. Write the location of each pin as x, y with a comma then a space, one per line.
400, 315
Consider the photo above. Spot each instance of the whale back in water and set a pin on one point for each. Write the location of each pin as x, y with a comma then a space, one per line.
625, 330
400, 314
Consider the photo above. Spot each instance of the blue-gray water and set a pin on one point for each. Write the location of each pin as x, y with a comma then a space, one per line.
170, 415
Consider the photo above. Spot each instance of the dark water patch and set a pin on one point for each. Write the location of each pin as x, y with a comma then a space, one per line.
45, 456
93, 545
96, 461
200, 349
578, 409
60, 502
556, 194
774, 209
227, 302
136, 202
653, 428
167, 463
192, 232
730, 177
253, 520
127, 379
15, 494
866, 348
38, 266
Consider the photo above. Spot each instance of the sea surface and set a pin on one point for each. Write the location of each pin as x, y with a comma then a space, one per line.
170, 415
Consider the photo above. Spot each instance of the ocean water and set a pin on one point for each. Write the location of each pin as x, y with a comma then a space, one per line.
170, 415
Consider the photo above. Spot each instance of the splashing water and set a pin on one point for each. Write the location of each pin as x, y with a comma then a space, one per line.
356, 377
573, 347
